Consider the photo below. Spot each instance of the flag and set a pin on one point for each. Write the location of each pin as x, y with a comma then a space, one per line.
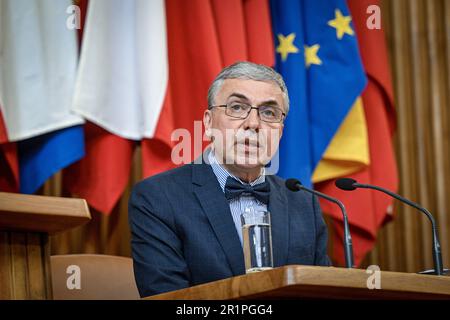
120, 89
203, 37
101, 176
317, 55
35, 92
348, 151
9, 165
369, 210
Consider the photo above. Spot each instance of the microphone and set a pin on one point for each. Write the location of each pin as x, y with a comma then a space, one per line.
296, 185
350, 184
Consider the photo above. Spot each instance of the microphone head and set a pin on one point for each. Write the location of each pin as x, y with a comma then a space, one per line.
293, 184
345, 184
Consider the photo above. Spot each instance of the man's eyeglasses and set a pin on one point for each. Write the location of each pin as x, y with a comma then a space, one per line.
239, 110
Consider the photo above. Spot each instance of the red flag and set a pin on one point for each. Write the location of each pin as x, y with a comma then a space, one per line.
203, 37
102, 175
9, 165
259, 32
368, 210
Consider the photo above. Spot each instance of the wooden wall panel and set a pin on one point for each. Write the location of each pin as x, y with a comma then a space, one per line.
24, 267
418, 35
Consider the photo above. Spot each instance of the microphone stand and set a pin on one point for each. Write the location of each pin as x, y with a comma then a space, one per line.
437, 255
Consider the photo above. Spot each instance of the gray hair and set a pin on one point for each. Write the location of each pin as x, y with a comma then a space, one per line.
248, 71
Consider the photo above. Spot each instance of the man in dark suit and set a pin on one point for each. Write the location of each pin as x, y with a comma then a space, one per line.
185, 222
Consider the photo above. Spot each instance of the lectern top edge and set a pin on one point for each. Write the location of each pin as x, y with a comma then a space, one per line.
19, 212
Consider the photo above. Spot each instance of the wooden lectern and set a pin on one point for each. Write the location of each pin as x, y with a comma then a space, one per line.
306, 282
26, 221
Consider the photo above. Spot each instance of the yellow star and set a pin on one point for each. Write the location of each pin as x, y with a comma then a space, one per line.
311, 55
341, 23
286, 45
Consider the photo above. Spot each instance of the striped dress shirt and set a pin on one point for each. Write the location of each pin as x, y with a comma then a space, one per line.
241, 204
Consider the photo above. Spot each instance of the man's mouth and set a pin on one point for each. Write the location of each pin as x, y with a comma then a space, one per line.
251, 143
248, 145
247, 142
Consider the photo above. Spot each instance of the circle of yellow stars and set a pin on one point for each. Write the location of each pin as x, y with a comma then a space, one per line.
286, 43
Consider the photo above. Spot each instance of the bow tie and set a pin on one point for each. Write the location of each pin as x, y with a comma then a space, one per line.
234, 189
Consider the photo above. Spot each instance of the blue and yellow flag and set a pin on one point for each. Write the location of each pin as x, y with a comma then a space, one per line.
317, 54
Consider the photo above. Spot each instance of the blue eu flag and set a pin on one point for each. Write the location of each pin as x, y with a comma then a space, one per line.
317, 55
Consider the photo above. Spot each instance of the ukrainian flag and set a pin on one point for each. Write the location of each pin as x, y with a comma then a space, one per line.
325, 133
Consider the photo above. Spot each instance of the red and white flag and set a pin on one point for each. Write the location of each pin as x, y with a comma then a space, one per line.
120, 89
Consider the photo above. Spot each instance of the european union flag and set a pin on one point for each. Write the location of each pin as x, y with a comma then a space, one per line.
317, 54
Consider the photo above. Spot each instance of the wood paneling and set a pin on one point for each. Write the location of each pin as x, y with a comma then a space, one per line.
418, 37
24, 266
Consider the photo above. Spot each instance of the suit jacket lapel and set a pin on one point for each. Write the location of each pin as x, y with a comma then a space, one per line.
280, 222
216, 208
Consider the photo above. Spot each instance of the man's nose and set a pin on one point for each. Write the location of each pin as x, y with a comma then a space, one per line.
252, 121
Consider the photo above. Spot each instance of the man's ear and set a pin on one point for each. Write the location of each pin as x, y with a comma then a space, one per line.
207, 122
281, 130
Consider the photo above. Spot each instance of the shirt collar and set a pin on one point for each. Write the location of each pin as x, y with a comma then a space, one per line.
222, 174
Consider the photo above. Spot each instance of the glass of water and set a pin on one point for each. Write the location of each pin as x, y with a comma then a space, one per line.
257, 240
